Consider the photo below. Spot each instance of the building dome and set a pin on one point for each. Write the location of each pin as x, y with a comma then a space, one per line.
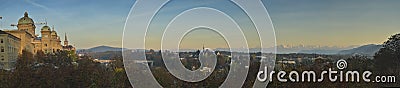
53, 33
25, 19
46, 28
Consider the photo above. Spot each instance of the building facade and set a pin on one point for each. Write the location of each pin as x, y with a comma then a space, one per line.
13, 42
9, 49
48, 42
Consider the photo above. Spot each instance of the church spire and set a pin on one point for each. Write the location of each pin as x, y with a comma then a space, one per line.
65, 37
65, 40
203, 47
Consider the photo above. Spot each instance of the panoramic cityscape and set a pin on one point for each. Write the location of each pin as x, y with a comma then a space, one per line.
98, 44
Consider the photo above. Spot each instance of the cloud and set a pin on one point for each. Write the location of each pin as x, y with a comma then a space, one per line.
37, 4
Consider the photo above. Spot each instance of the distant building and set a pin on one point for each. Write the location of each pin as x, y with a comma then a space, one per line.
286, 63
9, 47
13, 42
66, 45
48, 42
106, 62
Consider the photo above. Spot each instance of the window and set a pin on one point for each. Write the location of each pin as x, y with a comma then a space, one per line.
2, 49
1, 40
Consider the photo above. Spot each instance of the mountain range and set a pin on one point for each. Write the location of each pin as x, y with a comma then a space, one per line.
368, 50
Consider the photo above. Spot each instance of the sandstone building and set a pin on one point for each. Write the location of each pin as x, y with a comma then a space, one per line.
13, 42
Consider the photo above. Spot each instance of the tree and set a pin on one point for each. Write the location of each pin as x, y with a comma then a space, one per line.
22, 76
119, 76
90, 74
387, 59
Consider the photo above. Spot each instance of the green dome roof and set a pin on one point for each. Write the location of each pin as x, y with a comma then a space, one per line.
25, 19
46, 28
53, 33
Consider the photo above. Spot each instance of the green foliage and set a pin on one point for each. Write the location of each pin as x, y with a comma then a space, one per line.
387, 59
63, 70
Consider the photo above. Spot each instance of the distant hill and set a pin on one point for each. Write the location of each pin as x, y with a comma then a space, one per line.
102, 52
311, 49
101, 49
319, 51
368, 50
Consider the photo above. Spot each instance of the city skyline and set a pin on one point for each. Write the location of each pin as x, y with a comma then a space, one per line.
310, 22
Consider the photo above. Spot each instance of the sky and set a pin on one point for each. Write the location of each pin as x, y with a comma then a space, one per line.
90, 23
334, 22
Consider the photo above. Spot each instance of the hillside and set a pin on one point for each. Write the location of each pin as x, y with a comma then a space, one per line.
368, 50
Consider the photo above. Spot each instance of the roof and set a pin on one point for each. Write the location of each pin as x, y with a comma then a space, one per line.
38, 38
21, 31
46, 28
25, 19
3, 32
68, 47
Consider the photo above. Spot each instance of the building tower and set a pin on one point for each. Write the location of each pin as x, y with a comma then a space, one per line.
46, 39
65, 40
25, 23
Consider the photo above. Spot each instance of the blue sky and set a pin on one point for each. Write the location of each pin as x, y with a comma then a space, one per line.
334, 22
90, 23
